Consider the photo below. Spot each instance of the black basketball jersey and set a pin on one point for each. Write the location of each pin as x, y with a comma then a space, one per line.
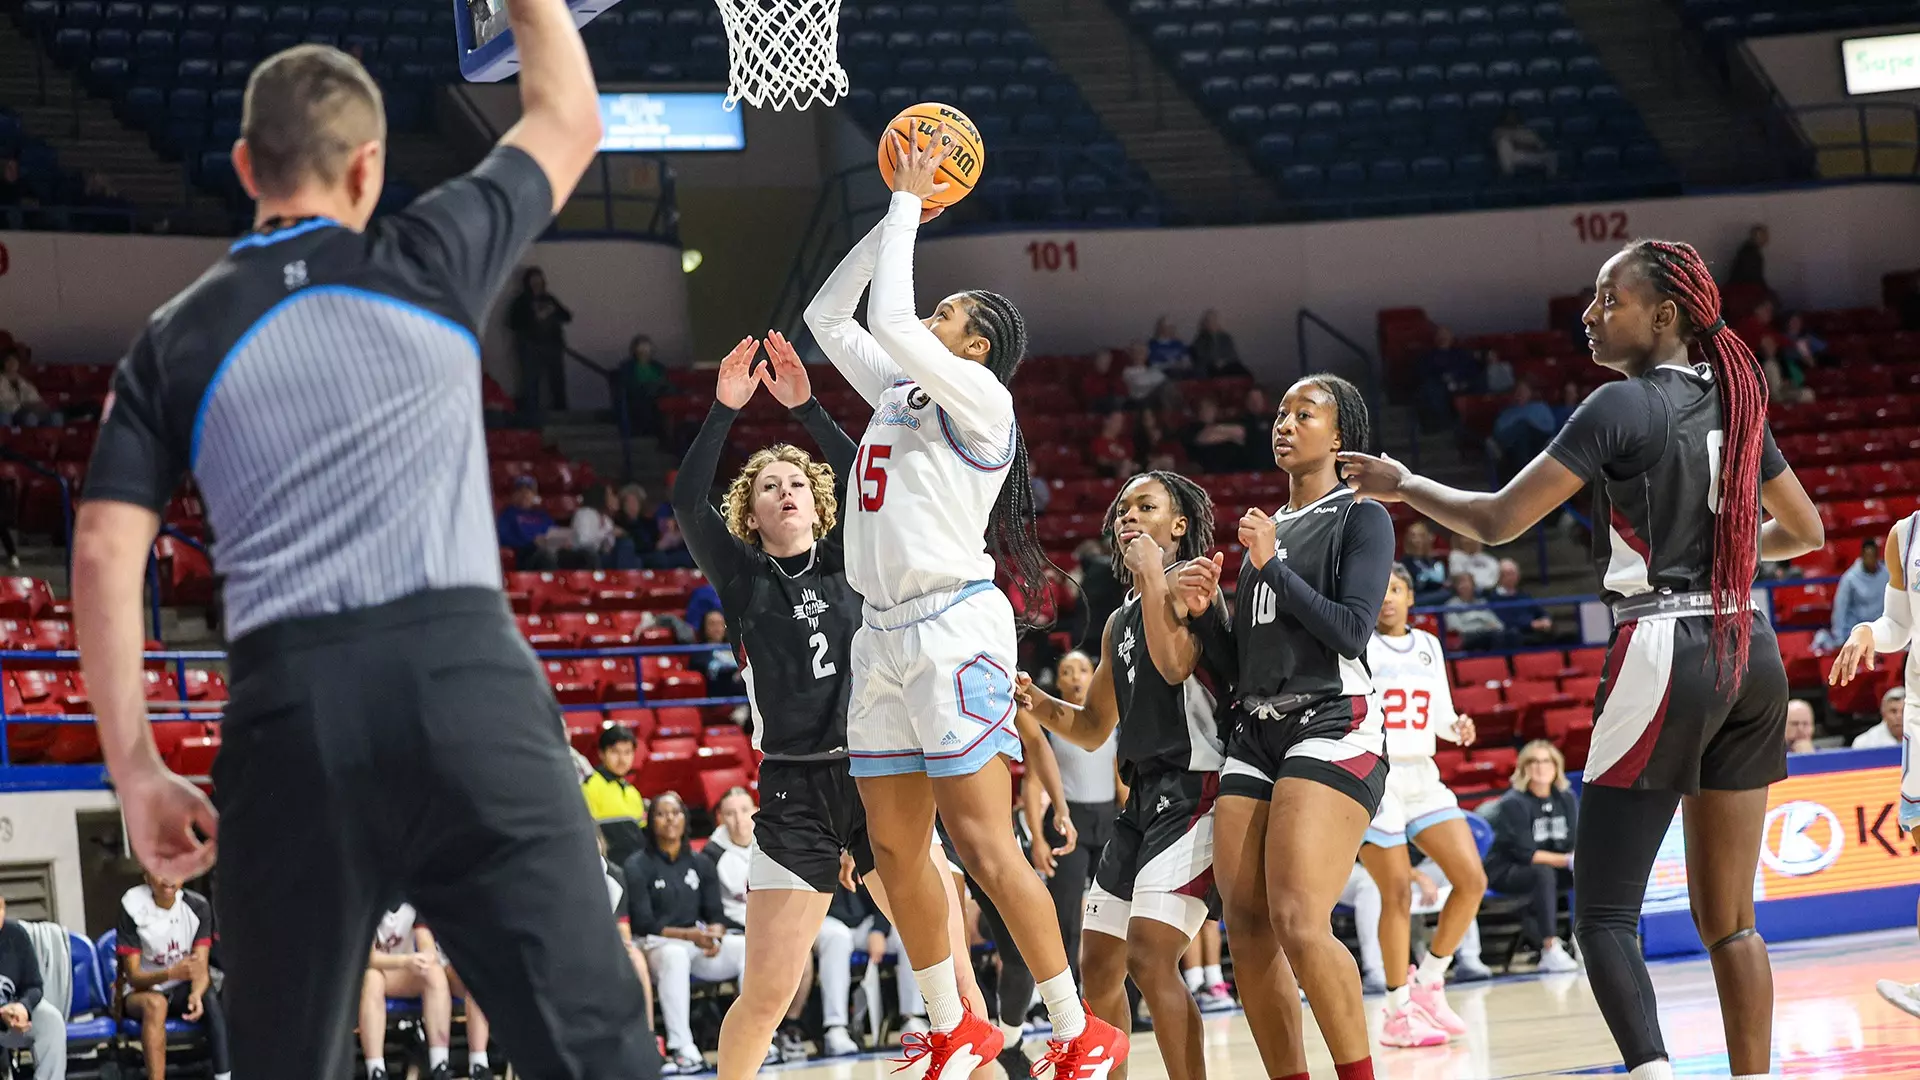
795, 635
1301, 623
1163, 726
1652, 449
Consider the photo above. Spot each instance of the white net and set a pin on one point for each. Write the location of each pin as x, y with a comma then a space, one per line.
783, 52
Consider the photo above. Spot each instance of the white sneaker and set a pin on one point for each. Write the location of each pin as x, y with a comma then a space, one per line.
839, 1043
1469, 969
916, 1025
1902, 996
1215, 998
1555, 961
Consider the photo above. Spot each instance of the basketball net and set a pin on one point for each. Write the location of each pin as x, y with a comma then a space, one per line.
783, 52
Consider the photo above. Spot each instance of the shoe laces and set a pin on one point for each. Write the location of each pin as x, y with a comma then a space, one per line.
915, 1045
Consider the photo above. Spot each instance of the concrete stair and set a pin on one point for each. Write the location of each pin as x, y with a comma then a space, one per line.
1190, 160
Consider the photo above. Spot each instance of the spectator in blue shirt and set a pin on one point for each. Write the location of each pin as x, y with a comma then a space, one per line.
1860, 597
704, 599
1526, 623
1522, 429
1166, 351
1446, 370
526, 528
1570, 398
1428, 571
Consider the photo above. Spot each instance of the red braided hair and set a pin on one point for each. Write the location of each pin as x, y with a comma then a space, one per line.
1677, 273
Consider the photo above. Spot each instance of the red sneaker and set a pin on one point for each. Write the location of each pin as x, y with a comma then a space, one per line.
1090, 1057
972, 1044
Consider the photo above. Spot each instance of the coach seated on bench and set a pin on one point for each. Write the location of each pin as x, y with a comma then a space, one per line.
405, 963
26, 1015
165, 944
1531, 856
674, 907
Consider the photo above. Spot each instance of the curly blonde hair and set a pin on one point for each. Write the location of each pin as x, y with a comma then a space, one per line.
738, 502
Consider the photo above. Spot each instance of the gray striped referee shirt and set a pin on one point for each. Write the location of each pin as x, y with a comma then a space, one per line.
323, 387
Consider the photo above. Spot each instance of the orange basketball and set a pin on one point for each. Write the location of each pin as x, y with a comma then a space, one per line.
968, 155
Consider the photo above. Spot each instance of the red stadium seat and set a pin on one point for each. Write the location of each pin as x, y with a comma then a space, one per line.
1581, 688
1803, 605
194, 756
639, 721
205, 685
615, 678
1475, 700
570, 687
1539, 666
1557, 722
676, 744
680, 719
1481, 671
24, 598
683, 684
1574, 745
542, 632
715, 783
1588, 661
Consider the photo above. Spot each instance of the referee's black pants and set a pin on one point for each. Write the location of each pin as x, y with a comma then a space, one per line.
412, 752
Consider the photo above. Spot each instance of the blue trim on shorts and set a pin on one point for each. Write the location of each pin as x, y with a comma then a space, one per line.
1384, 839
1434, 817
886, 762
997, 740
967, 592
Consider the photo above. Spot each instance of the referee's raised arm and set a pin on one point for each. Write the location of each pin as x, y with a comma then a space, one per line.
559, 102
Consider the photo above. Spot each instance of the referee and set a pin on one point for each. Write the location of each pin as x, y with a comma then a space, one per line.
390, 736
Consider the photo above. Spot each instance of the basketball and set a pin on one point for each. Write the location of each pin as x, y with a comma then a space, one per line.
962, 168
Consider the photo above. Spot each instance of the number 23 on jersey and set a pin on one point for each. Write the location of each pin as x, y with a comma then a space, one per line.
1405, 709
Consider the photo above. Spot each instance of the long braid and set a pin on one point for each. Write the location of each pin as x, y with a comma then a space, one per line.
1678, 273
1351, 414
1190, 501
1011, 531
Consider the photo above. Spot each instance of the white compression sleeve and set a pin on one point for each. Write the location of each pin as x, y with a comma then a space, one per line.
1894, 628
846, 343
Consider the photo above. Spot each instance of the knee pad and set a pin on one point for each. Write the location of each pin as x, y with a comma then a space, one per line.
1737, 935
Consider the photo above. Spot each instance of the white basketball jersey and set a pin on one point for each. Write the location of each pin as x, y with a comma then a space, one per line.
1411, 690
394, 936
1910, 568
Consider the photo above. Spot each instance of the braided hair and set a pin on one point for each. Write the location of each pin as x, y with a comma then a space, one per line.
1011, 532
1676, 272
1190, 501
1351, 415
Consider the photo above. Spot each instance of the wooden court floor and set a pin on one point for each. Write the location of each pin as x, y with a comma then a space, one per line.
1828, 1023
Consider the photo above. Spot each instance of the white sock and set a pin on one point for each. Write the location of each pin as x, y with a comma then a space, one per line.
1063, 1006
1433, 969
223, 1076
436, 1057
941, 992
1213, 976
1012, 1033
1657, 1069
1194, 978
476, 1059
1398, 999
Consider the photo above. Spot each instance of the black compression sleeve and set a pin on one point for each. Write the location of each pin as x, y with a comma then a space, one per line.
725, 559
835, 446
1366, 559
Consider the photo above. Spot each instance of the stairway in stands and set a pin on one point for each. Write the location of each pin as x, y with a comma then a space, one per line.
1189, 160
1686, 104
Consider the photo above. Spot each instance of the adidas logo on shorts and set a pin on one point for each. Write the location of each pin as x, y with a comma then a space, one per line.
950, 738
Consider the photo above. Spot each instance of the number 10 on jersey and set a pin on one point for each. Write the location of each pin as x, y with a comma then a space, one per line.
871, 466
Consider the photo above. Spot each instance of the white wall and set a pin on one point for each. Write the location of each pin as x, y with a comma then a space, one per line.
39, 828
1805, 68
1479, 272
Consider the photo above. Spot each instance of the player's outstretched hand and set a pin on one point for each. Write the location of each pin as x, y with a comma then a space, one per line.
1858, 652
1063, 824
918, 173
1378, 478
1256, 535
734, 388
1023, 690
166, 820
784, 376
1195, 582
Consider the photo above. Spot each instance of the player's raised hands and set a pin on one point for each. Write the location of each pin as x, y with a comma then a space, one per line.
1256, 535
734, 387
1378, 478
1858, 652
918, 171
1194, 584
783, 374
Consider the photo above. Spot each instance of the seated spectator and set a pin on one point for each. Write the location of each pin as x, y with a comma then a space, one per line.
1859, 598
598, 542
721, 666
615, 804
1522, 430
1166, 352
1531, 856
165, 941
1428, 571
24, 1008
1040, 491
647, 382
405, 963
730, 850
1151, 440
1750, 261
13, 190
1256, 417
20, 402
1113, 447
1496, 374
1446, 370
1519, 147
1786, 379
673, 904
1213, 351
1800, 727
1757, 326
1430, 891
704, 599
1892, 725
1469, 556
1478, 627
527, 530
1531, 625
1804, 345
1570, 399
1213, 444
670, 548
632, 518
852, 917
1146, 384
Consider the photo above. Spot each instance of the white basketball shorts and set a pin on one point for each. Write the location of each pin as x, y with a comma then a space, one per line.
1415, 800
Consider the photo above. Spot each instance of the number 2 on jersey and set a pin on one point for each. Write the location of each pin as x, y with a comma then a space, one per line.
822, 667
1400, 709
873, 471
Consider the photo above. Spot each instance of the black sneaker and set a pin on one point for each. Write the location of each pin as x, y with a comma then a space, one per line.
1015, 1061
479, 1072
441, 1071
792, 1047
376, 1072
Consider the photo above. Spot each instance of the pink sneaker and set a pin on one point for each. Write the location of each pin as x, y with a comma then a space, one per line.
1433, 998
1411, 1027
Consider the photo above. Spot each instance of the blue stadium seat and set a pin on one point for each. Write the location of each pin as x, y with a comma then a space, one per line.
1262, 88
1320, 53
1600, 159
1444, 46
1246, 118
1360, 51
207, 16
1504, 71
414, 20
1301, 84
1303, 178
249, 17
1384, 78
1526, 42
999, 66
1342, 81
1318, 144
108, 74
1398, 21
124, 15
1273, 147
234, 73
109, 42
1235, 58
1486, 43
83, 14
1085, 184
1465, 73
1401, 50
1325, 112
88, 996
40, 15
71, 45
399, 47
290, 18
1432, 18
1472, 167
227, 102
1282, 28
1431, 171
1543, 69
978, 96
330, 19
166, 16
1220, 90
1586, 69
1019, 95
187, 104
1168, 36
1605, 96
1579, 126
1446, 104
1512, 13
198, 75
1388, 172
1287, 114
371, 20
1036, 124
1107, 214
1566, 98
1425, 75
1528, 100
199, 44
1474, 16
1566, 40
1206, 32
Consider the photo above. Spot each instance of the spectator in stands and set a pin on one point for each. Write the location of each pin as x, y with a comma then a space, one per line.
721, 666
852, 917
165, 942
704, 599
674, 907
1570, 398
646, 381
1806, 347
730, 850
1478, 627
405, 963
1530, 625
1518, 147
1786, 379
1496, 374
1256, 416
1166, 352
1800, 727
1750, 261
538, 322
1522, 429
632, 518
25, 1012
1100, 590
1859, 598
20, 402
1146, 385
1893, 716
616, 805
1042, 492
1468, 556
1531, 855
1214, 444
1757, 326
1446, 370
527, 530
1113, 447
1213, 351
1151, 438
13, 191
1428, 571
599, 543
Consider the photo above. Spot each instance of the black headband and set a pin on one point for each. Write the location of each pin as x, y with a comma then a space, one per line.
1719, 324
